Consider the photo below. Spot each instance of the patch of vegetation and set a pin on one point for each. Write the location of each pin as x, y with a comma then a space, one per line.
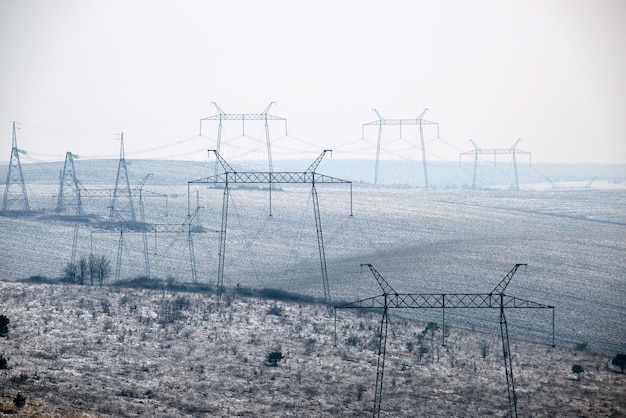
275, 310
40, 279
431, 327
173, 310
273, 357
4, 363
4, 326
582, 346
353, 340
620, 361
19, 401
577, 369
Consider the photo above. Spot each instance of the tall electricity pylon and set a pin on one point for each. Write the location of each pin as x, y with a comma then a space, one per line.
419, 121
495, 151
243, 117
121, 208
15, 178
285, 177
496, 299
69, 189
144, 228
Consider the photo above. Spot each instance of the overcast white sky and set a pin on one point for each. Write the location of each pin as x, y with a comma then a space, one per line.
76, 73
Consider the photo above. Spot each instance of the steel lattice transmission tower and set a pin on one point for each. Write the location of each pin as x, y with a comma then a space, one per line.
419, 121
496, 299
309, 176
15, 179
69, 188
243, 117
513, 151
122, 204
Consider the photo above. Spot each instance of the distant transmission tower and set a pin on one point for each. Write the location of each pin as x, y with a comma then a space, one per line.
69, 190
120, 207
243, 117
495, 151
15, 179
419, 121
229, 175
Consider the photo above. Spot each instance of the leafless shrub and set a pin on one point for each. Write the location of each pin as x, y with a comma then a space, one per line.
275, 310
106, 306
484, 349
4, 362
309, 345
20, 378
353, 340
360, 389
19, 401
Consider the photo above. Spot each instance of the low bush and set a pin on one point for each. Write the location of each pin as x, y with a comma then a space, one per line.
4, 326
19, 401
4, 363
273, 357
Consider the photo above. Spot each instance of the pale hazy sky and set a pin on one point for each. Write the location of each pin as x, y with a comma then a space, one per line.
76, 73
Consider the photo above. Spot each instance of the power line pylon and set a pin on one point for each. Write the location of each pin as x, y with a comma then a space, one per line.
15, 178
69, 189
513, 151
496, 299
70, 195
309, 176
420, 121
243, 117
144, 227
121, 208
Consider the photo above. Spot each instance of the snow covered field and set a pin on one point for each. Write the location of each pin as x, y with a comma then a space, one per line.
421, 241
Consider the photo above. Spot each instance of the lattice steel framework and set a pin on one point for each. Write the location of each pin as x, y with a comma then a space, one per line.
124, 228
309, 176
69, 188
122, 206
513, 151
496, 299
15, 178
243, 117
420, 121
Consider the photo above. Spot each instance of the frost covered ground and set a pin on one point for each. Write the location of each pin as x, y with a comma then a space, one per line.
427, 241
111, 351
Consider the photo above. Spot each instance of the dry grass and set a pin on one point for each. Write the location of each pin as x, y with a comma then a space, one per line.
91, 352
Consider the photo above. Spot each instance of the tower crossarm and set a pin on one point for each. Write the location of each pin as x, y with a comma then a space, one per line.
222, 116
492, 151
401, 122
417, 121
276, 177
511, 150
495, 151
387, 289
227, 168
243, 116
96, 192
501, 287
442, 300
317, 161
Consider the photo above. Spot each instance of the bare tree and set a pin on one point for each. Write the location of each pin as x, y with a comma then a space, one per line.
92, 268
100, 268
82, 268
70, 272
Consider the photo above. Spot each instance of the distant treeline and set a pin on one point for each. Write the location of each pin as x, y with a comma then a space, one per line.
170, 285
